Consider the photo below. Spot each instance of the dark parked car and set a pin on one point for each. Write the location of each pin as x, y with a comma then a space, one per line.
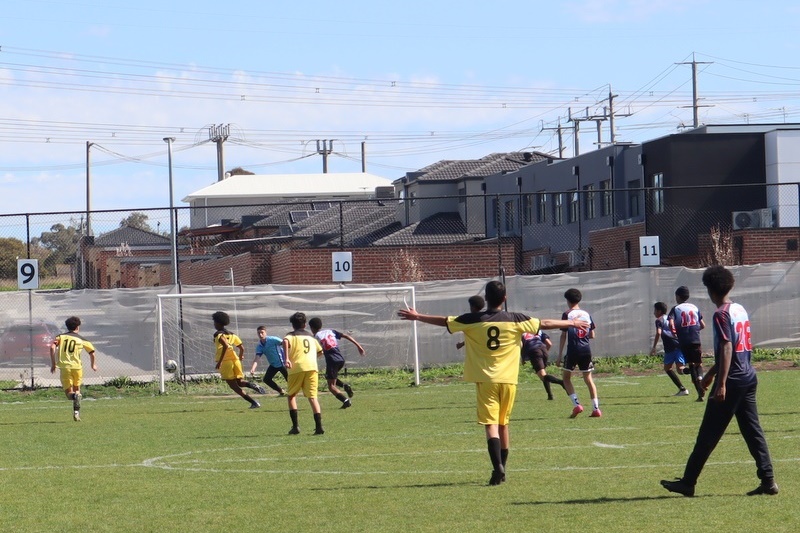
16, 346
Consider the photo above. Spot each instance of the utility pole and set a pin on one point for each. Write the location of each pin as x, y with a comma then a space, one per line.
218, 133
560, 130
324, 151
695, 99
364, 155
88, 191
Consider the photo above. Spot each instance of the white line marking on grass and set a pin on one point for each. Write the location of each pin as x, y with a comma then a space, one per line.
602, 445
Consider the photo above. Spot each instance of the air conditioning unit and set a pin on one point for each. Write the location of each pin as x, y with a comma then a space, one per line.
384, 192
625, 222
760, 218
574, 257
540, 262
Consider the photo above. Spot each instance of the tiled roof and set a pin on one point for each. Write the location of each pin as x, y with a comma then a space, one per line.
132, 237
467, 168
441, 228
362, 223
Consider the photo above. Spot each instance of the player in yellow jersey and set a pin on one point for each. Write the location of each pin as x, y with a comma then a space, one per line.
228, 362
68, 347
302, 350
492, 362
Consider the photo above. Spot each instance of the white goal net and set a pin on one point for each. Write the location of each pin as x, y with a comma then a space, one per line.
184, 331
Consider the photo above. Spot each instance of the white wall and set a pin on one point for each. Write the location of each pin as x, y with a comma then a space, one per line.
782, 152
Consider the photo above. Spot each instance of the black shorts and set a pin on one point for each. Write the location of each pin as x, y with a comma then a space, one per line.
583, 362
332, 369
538, 359
692, 353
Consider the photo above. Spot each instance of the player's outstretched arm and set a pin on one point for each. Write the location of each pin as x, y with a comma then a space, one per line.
551, 323
360, 348
411, 314
93, 360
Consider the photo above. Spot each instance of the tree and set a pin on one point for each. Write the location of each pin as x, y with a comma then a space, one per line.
11, 249
136, 220
239, 171
62, 241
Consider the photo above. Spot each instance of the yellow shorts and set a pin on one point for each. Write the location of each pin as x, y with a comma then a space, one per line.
305, 381
71, 378
231, 369
495, 402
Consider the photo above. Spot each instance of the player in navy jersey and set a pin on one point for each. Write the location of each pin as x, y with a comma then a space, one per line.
686, 321
672, 350
579, 354
334, 361
733, 393
535, 347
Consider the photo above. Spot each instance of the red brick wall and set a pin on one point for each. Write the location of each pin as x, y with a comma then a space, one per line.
381, 264
759, 245
215, 271
608, 247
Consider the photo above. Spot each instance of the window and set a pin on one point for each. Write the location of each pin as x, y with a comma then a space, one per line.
558, 208
607, 198
588, 202
496, 213
633, 198
413, 198
462, 195
527, 209
658, 192
509, 215
574, 206
541, 208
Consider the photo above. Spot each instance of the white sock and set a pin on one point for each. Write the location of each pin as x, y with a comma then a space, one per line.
574, 398
596, 403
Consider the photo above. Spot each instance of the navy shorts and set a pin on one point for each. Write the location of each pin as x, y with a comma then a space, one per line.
583, 362
692, 353
539, 360
332, 369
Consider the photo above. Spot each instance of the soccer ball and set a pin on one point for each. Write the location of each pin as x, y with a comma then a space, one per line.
171, 366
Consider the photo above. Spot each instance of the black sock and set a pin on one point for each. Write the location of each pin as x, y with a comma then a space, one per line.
675, 379
696, 381
339, 382
248, 398
547, 388
341, 397
293, 416
553, 379
504, 456
493, 445
318, 420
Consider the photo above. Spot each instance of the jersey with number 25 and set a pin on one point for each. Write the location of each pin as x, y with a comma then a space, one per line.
493, 341
731, 324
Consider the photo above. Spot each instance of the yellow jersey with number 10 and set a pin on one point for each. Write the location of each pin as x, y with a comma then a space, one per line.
68, 350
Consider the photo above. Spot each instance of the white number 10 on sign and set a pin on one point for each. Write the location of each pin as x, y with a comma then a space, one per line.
342, 266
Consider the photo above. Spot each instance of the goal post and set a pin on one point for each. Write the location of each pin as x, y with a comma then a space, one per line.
184, 329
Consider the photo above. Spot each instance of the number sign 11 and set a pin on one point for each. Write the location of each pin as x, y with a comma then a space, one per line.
28, 273
649, 252
342, 266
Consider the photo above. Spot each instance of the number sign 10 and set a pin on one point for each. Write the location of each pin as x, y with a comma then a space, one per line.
342, 266
28, 273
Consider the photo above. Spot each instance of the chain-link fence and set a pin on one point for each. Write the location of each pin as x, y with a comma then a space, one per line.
110, 264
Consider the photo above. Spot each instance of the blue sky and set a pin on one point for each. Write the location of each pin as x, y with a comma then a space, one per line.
417, 81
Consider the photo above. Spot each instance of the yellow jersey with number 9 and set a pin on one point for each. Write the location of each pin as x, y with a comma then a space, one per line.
493, 342
303, 351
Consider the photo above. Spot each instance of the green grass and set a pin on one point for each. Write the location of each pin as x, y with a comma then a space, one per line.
402, 459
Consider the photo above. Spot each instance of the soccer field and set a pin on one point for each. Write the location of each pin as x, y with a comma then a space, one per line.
399, 460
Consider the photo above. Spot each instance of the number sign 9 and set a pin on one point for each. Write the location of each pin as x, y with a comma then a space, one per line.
28, 273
